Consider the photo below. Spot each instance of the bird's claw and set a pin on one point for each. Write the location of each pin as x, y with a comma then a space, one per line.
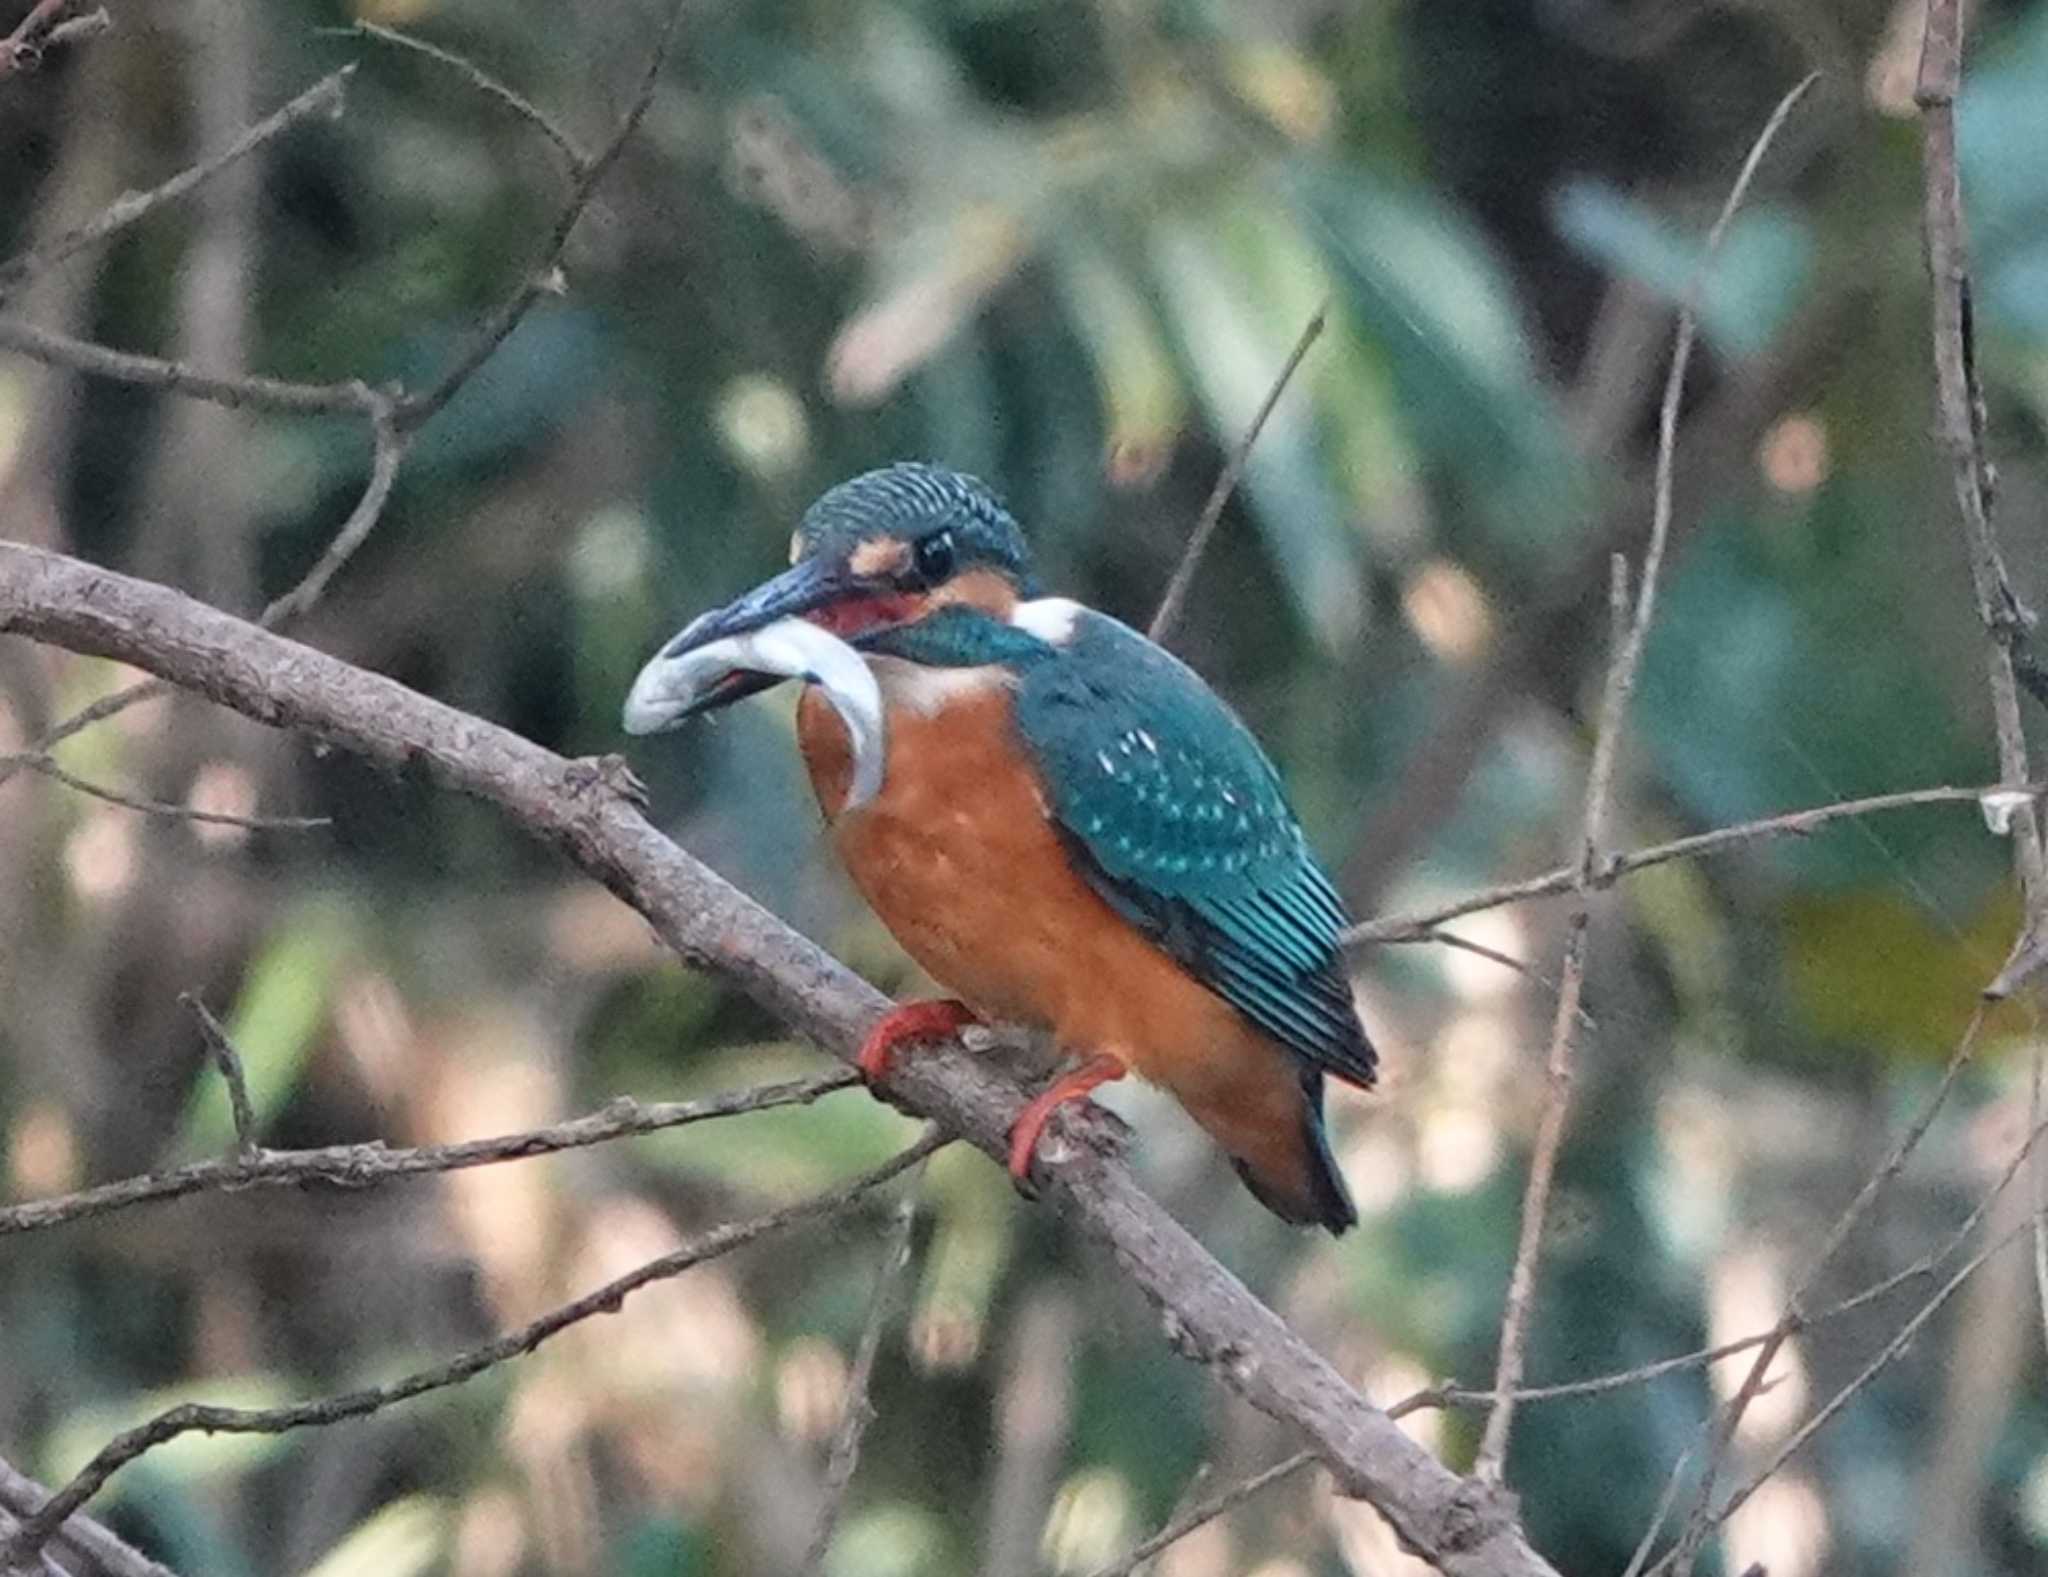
610, 773
910, 1021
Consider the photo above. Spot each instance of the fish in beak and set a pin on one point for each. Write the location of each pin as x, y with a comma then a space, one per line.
756, 642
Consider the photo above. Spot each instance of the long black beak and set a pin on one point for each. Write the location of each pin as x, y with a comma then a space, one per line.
684, 679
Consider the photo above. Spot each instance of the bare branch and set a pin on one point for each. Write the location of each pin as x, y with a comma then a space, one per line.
1212, 512
1491, 1461
1205, 1511
1960, 401
229, 1061
36, 761
84, 1542
1631, 634
1926, 1265
233, 390
1699, 1521
37, 1528
1826, 1413
2038, 1180
1208, 1314
479, 79
859, 1412
1421, 927
541, 277
388, 451
323, 98
365, 1165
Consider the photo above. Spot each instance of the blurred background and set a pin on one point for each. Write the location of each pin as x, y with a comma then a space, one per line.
1065, 245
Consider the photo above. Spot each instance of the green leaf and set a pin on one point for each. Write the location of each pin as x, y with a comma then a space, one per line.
276, 1019
1747, 294
1443, 313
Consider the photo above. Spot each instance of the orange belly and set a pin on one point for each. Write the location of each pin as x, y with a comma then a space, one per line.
959, 857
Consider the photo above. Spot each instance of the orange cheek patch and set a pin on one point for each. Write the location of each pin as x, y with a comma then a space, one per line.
980, 588
879, 557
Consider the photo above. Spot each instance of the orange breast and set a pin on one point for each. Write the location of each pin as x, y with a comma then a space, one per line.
959, 857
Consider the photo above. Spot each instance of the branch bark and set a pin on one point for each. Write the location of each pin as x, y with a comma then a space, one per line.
1461, 1527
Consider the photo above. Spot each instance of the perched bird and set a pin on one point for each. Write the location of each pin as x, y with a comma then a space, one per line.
1058, 820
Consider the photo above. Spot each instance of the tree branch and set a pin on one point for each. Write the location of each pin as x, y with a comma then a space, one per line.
86, 1544
859, 1412
364, 1165
1632, 633
35, 761
479, 79
221, 1051
1205, 1511
1699, 1521
1959, 400
542, 278
1422, 926
323, 98
39, 1526
1210, 1317
1176, 595
1491, 1461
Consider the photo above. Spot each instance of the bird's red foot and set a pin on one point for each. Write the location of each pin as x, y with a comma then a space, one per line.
1073, 1085
911, 1021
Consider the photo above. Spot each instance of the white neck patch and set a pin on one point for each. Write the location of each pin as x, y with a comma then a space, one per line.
928, 691
1051, 619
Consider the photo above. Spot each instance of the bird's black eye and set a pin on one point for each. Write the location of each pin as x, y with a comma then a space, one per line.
933, 556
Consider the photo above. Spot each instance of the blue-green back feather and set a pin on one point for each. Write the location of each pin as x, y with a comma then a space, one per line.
1179, 820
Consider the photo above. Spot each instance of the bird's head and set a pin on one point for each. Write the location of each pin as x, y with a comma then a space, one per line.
879, 554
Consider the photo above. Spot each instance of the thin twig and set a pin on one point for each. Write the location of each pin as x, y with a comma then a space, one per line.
2038, 1183
363, 1165
478, 78
1493, 955
37, 1528
222, 1050
86, 1544
323, 98
1666, 1501
387, 453
1827, 1412
1449, 1395
1633, 632
1491, 1461
36, 761
543, 277
1212, 512
1421, 926
236, 391
859, 1411
1699, 1521
1205, 1511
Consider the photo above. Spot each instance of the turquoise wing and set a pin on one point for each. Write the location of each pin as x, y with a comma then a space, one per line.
1180, 822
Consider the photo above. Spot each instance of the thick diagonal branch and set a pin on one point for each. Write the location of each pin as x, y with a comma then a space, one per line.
1206, 1311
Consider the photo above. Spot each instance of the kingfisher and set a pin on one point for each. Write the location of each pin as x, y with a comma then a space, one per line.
1057, 819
